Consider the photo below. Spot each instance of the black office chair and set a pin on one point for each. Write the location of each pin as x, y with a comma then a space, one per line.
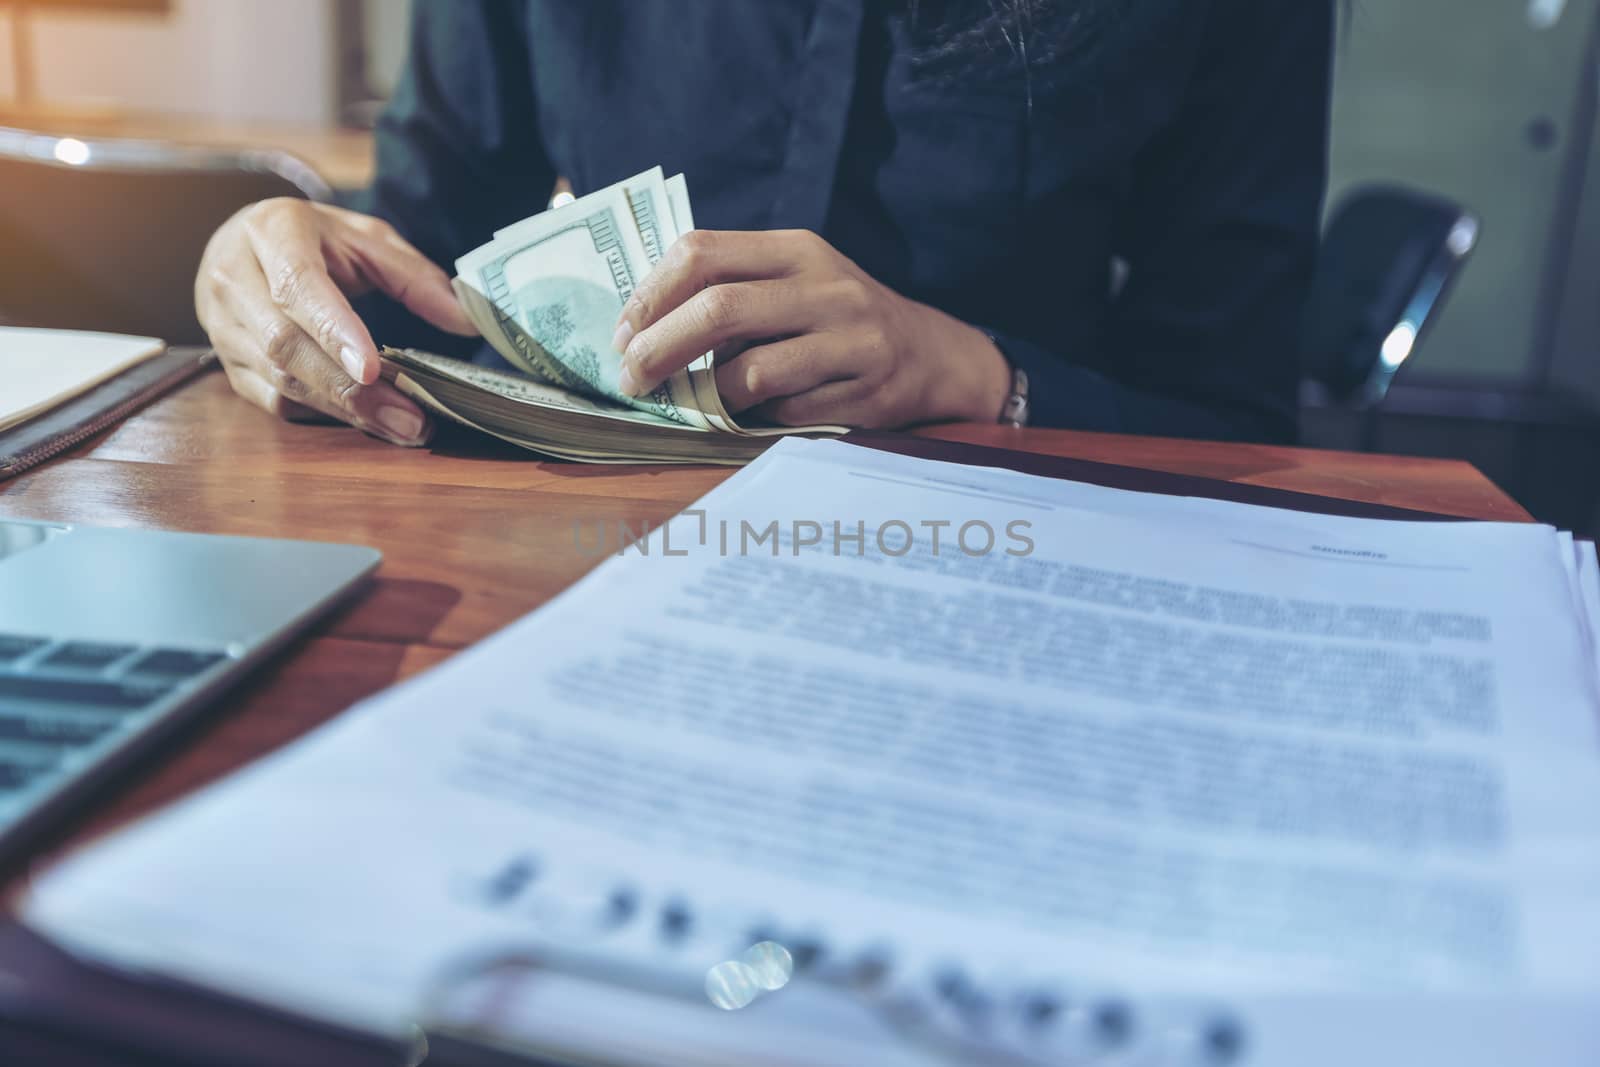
1389, 257
107, 234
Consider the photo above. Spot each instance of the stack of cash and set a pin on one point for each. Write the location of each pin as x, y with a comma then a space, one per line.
547, 293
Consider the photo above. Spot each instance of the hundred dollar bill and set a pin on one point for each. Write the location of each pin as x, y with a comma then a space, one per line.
547, 292
662, 212
703, 371
518, 388
553, 421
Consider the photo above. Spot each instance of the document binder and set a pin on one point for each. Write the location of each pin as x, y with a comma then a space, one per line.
59, 1010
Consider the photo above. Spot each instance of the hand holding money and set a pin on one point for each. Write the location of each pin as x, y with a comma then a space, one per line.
273, 294
803, 336
778, 324
546, 293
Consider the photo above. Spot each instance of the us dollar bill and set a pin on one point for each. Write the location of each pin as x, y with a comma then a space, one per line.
521, 389
547, 292
661, 211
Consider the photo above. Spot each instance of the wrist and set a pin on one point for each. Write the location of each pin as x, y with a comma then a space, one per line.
977, 379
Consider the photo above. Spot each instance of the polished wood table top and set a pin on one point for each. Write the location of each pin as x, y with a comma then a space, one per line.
475, 534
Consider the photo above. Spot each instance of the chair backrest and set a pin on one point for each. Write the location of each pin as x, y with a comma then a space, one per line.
107, 234
1388, 258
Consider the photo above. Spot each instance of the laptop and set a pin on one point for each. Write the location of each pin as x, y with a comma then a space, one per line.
110, 639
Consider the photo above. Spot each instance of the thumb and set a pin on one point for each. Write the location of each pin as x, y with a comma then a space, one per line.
386, 262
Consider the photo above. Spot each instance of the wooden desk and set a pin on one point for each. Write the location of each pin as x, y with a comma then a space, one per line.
475, 534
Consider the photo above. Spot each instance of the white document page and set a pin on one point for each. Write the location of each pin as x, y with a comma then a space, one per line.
42, 368
1588, 570
1192, 747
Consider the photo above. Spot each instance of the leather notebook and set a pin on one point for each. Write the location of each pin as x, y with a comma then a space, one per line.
64, 426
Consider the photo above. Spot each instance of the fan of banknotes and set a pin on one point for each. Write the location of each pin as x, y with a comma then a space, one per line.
546, 293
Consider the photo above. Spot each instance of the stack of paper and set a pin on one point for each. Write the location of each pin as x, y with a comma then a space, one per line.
1004, 736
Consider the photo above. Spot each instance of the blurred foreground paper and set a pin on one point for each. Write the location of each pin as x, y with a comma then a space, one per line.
1156, 745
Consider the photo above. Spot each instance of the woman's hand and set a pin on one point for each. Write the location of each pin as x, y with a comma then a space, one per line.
804, 336
274, 295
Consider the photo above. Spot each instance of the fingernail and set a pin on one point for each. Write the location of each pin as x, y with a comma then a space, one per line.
627, 383
353, 363
404, 424
620, 339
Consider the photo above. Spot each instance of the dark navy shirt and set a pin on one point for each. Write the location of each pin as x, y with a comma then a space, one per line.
1193, 155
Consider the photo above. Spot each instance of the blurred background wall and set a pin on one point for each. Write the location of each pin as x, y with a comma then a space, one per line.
1489, 102
246, 60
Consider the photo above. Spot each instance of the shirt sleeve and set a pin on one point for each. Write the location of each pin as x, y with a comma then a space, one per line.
1219, 234
458, 147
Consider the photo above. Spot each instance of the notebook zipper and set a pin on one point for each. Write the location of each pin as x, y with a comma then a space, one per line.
106, 419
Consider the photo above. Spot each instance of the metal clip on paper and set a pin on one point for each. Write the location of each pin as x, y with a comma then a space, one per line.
636, 993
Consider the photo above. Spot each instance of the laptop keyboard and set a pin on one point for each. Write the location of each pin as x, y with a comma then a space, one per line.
13, 647
50, 693
61, 701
